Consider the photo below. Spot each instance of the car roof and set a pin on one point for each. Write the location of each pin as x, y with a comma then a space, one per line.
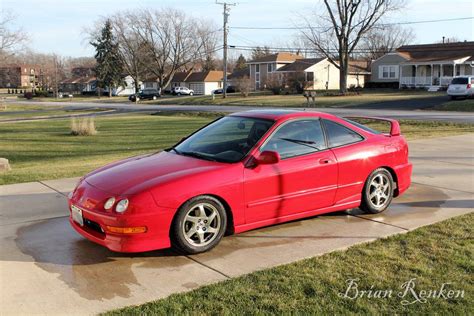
281, 114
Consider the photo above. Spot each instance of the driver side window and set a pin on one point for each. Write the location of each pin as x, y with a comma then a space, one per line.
297, 138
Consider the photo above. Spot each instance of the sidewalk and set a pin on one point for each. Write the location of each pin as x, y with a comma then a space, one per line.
46, 268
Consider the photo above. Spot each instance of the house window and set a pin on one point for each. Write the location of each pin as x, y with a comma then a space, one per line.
269, 67
257, 68
309, 76
388, 72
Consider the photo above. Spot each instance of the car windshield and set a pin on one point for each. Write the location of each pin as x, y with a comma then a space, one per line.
228, 139
461, 80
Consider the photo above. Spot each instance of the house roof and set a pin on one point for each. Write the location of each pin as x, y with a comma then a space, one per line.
239, 73
437, 52
301, 64
359, 67
204, 76
278, 57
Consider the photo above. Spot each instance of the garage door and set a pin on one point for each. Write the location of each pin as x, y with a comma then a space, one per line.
197, 87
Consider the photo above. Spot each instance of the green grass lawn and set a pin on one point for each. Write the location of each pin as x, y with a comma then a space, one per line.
465, 105
19, 111
433, 255
41, 150
366, 97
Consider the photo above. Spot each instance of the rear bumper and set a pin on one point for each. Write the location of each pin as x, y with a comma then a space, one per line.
156, 236
404, 177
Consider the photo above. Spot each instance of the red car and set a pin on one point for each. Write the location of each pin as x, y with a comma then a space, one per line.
240, 172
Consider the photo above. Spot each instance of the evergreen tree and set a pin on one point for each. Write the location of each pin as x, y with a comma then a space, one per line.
240, 63
109, 65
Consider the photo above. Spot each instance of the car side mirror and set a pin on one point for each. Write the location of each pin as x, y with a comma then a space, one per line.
268, 157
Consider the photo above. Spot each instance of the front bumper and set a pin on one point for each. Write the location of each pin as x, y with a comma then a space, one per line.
156, 237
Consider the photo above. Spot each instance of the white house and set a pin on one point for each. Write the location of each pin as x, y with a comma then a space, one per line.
203, 82
428, 65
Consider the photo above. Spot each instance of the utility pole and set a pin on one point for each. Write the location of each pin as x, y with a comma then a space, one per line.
225, 29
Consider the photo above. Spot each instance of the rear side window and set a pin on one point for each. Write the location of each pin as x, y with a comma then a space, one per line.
461, 80
339, 135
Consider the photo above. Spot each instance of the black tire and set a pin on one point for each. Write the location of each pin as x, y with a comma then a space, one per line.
178, 94
189, 245
190, 93
372, 204
154, 97
453, 97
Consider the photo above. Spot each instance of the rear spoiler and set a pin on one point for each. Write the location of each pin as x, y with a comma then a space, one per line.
394, 125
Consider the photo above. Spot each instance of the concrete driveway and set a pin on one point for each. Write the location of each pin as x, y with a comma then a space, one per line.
46, 268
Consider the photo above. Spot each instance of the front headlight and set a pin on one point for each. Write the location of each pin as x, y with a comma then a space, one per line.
109, 203
121, 206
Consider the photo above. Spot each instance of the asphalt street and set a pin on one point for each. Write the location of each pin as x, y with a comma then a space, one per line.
425, 115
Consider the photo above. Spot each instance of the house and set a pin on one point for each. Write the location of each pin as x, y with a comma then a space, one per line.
320, 73
203, 82
88, 85
20, 76
261, 69
79, 85
428, 65
316, 73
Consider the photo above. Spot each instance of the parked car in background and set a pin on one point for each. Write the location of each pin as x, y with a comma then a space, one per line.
147, 94
182, 91
230, 89
241, 172
462, 86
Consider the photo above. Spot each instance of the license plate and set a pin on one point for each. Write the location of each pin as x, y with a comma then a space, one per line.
77, 215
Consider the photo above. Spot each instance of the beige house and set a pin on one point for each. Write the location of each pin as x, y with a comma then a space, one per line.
429, 65
317, 73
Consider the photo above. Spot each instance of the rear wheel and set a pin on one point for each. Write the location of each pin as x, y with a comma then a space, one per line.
199, 225
378, 192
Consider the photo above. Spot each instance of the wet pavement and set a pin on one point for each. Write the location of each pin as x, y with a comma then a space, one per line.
47, 268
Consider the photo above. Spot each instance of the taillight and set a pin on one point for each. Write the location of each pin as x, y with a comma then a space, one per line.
468, 86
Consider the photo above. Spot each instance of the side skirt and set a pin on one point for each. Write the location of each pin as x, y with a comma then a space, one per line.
287, 218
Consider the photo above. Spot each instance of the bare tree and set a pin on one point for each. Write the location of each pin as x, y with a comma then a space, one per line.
10, 39
173, 41
341, 26
244, 85
382, 40
132, 47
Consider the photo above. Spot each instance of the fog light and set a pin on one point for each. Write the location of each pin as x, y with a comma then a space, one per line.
126, 230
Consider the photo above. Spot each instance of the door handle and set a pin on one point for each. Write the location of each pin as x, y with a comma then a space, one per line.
325, 160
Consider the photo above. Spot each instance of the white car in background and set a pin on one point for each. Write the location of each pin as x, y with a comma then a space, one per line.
462, 86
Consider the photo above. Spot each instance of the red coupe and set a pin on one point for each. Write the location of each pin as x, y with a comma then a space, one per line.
240, 172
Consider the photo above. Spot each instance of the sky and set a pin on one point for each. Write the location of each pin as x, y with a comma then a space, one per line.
58, 26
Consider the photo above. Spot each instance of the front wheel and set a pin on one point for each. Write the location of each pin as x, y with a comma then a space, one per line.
199, 225
154, 97
378, 192
190, 93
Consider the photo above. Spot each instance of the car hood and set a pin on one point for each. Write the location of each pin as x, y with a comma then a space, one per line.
136, 174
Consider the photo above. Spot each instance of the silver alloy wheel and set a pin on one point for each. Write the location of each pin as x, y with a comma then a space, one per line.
379, 190
201, 224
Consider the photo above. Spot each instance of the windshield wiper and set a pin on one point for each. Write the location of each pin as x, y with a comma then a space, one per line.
195, 155
301, 142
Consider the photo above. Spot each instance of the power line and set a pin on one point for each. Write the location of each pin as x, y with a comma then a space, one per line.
316, 27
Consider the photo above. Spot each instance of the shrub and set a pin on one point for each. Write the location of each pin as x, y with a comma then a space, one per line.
244, 85
84, 126
28, 95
